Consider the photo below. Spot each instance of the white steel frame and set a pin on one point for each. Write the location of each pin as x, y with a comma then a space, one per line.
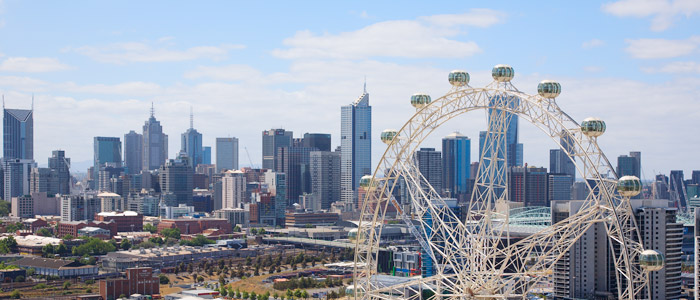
474, 258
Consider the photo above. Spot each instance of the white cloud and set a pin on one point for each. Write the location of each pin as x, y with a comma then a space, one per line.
478, 17
677, 67
227, 73
593, 69
134, 88
663, 13
120, 53
428, 36
661, 48
32, 64
592, 44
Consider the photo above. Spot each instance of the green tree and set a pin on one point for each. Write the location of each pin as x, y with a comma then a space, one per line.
304, 294
163, 279
66, 285
197, 241
4, 208
68, 237
61, 249
173, 233
47, 250
94, 246
150, 228
19, 278
245, 295
15, 294
297, 293
14, 227
237, 229
7, 245
238, 294
253, 231
289, 294
44, 232
261, 231
223, 291
125, 244
276, 295
253, 296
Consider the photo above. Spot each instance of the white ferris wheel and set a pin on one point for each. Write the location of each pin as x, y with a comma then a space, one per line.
474, 255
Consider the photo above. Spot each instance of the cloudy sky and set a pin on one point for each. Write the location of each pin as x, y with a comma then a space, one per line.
94, 68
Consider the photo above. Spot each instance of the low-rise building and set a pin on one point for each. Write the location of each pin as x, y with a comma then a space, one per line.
137, 281
172, 256
296, 219
235, 216
196, 226
94, 232
9, 275
57, 267
32, 244
328, 233
65, 228
128, 221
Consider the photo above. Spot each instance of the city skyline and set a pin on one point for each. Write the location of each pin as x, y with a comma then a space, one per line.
109, 74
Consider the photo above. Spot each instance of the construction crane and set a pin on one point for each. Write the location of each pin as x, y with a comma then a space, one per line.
249, 160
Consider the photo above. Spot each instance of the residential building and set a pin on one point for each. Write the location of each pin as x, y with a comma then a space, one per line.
324, 169
234, 216
127, 221
430, 166
111, 202
17, 177
355, 147
133, 152
23, 207
226, 154
233, 189
79, 207
176, 178
528, 185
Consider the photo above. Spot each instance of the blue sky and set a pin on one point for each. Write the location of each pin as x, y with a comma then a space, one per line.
95, 67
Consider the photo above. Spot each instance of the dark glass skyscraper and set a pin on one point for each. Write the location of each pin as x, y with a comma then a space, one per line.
107, 153
60, 164
18, 134
456, 161
155, 144
430, 166
272, 140
192, 145
320, 141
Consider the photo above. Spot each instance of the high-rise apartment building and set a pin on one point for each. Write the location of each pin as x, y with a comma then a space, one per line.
17, 177
227, 154
587, 271
456, 160
233, 189
559, 163
559, 187
528, 185
18, 134
355, 147
133, 152
155, 144
272, 140
294, 161
79, 207
430, 166
176, 179
320, 141
277, 187
324, 167
60, 164
192, 144
676, 186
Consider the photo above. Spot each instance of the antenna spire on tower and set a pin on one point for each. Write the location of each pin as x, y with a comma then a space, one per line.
191, 118
152, 110
365, 87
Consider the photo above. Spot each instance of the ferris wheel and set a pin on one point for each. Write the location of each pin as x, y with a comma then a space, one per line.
474, 255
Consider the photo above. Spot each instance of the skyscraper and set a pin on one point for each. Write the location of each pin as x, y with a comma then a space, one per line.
294, 162
233, 191
133, 152
456, 160
355, 147
559, 163
60, 164
528, 185
320, 141
17, 174
206, 155
272, 140
107, 153
227, 154
676, 187
192, 144
18, 134
630, 165
324, 167
430, 166
176, 178
155, 144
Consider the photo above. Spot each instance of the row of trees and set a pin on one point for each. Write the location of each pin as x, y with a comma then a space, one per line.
307, 283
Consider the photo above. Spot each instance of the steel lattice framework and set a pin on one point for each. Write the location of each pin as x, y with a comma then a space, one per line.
474, 257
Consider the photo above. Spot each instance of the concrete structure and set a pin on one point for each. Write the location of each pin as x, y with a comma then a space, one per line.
32, 244
79, 207
111, 202
430, 166
315, 218
174, 212
355, 147
233, 189
155, 144
133, 152
17, 174
226, 154
234, 216
324, 169
272, 140
137, 281
72, 228
23, 207
94, 232
172, 256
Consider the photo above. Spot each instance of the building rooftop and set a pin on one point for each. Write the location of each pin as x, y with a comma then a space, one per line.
92, 229
39, 262
108, 194
36, 240
127, 213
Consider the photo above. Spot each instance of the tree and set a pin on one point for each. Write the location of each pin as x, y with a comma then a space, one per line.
150, 228
66, 285
94, 246
14, 227
253, 231
4, 208
261, 231
289, 294
304, 294
173, 233
125, 245
253, 296
19, 278
15, 294
7, 245
44, 232
68, 237
197, 241
163, 279
237, 229
223, 291
297, 293
245, 295
276, 295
